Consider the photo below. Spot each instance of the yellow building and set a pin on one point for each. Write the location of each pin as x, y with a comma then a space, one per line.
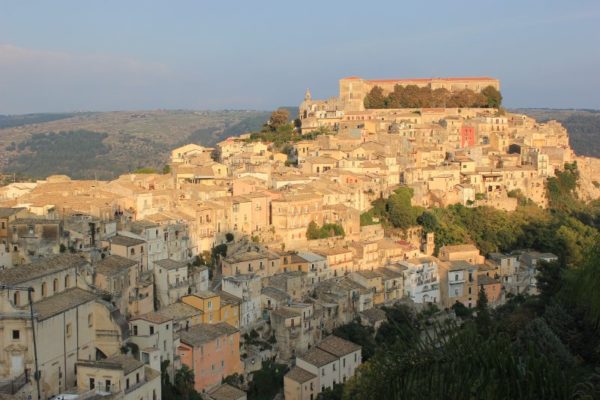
215, 307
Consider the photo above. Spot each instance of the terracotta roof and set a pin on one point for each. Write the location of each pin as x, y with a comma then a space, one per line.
114, 264
62, 302
156, 317
317, 357
300, 375
167, 263
450, 79
205, 333
338, 346
39, 268
460, 247
227, 392
127, 241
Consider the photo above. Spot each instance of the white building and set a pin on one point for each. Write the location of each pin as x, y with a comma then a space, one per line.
421, 279
246, 287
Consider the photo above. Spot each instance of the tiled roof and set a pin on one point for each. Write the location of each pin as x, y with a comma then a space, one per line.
62, 302
227, 392
114, 264
300, 375
39, 268
126, 241
338, 346
7, 212
167, 263
317, 357
205, 333
156, 317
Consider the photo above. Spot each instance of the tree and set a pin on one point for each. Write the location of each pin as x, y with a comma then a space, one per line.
493, 97
229, 237
375, 98
166, 169
279, 118
184, 381
483, 319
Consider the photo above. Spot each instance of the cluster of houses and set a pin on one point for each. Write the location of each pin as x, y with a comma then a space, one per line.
107, 286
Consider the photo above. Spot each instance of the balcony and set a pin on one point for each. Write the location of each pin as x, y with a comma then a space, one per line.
138, 385
106, 333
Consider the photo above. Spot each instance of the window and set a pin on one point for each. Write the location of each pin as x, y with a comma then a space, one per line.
69, 330
127, 383
16, 298
322, 371
16, 334
132, 252
344, 362
55, 286
107, 385
135, 330
151, 330
92, 383
90, 320
67, 281
355, 358
44, 289
137, 377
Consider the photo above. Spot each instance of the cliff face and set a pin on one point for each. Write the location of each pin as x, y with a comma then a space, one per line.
589, 178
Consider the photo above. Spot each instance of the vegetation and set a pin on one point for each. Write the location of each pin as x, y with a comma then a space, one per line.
583, 127
412, 96
183, 389
314, 232
267, 382
13, 121
543, 346
134, 140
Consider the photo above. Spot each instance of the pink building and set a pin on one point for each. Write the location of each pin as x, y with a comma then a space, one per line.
212, 351
467, 136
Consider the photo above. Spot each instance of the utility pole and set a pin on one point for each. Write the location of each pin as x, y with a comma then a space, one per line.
29, 290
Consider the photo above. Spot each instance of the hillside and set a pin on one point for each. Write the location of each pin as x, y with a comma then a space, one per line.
583, 126
104, 145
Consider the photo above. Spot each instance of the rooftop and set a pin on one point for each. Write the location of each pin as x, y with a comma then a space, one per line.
318, 357
62, 302
114, 264
227, 392
300, 375
39, 268
121, 361
7, 212
338, 346
167, 263
156, 317
205, 333
126, 241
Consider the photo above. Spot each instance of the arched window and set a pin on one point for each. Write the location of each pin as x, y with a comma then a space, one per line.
67, 281
55, 286
16, 298
44, 289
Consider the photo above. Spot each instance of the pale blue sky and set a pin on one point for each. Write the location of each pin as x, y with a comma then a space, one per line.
109, 55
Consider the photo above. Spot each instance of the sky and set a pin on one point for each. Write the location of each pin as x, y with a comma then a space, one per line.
58, 56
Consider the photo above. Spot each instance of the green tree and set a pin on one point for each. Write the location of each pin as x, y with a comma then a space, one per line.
184, 382
492, 96
483, 319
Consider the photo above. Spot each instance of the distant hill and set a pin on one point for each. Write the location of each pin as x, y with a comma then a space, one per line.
105, 145
583, 126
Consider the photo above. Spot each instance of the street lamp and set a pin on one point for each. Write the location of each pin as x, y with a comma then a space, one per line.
29, 291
